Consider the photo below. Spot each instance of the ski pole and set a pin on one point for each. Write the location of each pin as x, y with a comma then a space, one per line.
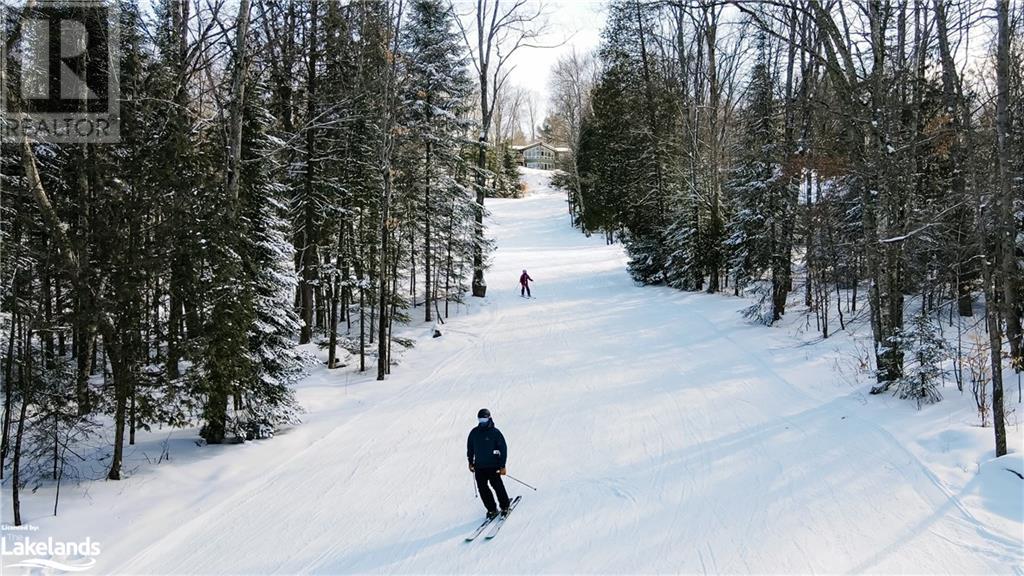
521, 482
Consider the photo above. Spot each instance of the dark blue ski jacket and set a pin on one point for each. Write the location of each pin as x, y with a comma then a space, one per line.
485, 447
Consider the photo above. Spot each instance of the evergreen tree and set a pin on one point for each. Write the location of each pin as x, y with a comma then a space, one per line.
631, 118
438, 88
266, 282
756, 188
927, 350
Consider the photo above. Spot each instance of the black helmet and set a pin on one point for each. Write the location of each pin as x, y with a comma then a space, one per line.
483, 413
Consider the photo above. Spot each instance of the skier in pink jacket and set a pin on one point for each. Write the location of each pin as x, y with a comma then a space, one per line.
524, 282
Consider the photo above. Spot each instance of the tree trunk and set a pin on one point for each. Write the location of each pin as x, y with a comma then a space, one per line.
960, 125
716, 224
16, 472
1006, 227
131, 414
173, 324
382, 327
479, 285
237, 99
1005, 250
8, 391
307, 250
48, 323
427, 254
25, 379
122, 376
336, 289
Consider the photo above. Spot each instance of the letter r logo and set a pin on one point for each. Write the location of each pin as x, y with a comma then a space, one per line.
63, 68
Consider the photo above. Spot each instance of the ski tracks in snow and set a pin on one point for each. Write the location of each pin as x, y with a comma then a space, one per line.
655, 424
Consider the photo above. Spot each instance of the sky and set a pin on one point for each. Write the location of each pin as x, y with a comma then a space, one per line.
571, 25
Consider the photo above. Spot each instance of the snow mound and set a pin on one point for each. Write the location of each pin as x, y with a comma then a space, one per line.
1002, 486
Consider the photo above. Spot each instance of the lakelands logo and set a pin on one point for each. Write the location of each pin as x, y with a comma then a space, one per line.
74, 556
59, 74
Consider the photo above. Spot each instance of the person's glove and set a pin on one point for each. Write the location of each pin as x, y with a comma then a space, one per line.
471, 469
502, 471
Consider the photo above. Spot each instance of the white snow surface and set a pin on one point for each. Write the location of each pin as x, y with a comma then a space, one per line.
664, 434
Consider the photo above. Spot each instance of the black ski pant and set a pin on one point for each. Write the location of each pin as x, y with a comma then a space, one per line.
485, 475
525, 290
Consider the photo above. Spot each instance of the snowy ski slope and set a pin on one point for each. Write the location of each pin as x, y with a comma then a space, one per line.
665, 435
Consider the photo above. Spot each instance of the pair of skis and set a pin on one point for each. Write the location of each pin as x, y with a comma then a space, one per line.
495, 523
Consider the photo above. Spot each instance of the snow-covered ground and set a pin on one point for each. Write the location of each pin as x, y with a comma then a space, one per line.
663, 432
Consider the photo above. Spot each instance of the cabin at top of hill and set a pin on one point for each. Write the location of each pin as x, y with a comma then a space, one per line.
540, 155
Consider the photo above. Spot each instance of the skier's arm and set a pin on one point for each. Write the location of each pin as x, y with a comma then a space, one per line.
469, 449
502, 450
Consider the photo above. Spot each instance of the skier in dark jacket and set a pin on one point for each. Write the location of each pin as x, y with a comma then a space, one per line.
524, 282
487, 454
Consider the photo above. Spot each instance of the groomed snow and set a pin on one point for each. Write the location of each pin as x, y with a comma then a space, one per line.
664, 434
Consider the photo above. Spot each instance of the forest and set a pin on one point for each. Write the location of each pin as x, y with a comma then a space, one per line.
864, 156
287, 173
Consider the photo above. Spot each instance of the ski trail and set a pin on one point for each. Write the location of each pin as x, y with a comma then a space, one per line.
660, 431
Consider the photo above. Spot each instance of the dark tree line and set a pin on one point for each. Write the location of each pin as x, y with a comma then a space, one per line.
288, 173
836, 151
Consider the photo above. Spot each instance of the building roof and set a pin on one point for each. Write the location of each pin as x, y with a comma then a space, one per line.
540, 143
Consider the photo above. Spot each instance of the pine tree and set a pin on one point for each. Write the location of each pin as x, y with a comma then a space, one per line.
625, 138
267, 282
223, 370
927, 350
756, 189
438, 88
